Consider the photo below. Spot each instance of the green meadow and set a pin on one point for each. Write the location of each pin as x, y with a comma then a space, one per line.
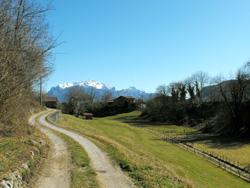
146, 158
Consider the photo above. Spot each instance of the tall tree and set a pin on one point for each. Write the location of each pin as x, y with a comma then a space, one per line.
201, 79
233, 92
190, 88
25, 51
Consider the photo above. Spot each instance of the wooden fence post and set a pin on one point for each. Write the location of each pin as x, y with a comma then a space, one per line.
249, 173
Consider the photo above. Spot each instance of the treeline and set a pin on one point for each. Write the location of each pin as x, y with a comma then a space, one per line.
25, 52
215, 104
80, 100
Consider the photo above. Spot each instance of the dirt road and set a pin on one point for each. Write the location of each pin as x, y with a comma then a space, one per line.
109, 176
54, 171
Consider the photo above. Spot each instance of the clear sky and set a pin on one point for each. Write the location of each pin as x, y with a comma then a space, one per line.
146, 43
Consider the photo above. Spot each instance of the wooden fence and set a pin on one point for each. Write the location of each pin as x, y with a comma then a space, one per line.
217, 160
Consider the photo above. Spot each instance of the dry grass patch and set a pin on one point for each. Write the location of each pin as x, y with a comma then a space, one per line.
234, 150
15, 150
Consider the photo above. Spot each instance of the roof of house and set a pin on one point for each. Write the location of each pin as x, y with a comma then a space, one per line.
51, 99
88, 114
127, 97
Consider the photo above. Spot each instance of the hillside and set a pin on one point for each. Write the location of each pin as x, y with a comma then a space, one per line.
212, 92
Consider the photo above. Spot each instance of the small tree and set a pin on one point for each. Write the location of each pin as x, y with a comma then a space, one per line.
92, 94
76, 97
107, 96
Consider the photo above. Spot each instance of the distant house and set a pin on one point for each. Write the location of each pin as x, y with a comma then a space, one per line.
88, 115
142, 105
50, 102
124, 100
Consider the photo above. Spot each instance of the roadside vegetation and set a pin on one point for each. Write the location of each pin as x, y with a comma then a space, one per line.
25, 51
146, 158
22, 148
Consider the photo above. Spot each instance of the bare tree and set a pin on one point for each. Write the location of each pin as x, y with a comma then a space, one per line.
92, 94
107, 96
182, 91
233, 92
175, 93
190, 88
200, 79
162, 90
25, 51
77, 99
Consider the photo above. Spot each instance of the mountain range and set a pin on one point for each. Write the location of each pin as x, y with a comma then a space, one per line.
62, 90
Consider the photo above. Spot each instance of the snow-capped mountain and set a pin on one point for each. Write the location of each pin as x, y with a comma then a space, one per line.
62, 90
89, 83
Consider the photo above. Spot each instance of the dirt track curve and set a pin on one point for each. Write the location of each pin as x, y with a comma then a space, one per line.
54, 171
108, 175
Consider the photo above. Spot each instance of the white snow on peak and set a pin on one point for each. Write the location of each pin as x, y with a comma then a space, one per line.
63, 86
89, 83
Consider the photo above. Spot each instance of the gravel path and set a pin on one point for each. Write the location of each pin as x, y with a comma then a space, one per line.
54, 171
109, 176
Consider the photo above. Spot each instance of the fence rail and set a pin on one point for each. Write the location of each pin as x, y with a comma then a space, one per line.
221, 162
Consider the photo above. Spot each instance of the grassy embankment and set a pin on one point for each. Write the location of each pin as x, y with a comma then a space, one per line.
149, 160
16, 145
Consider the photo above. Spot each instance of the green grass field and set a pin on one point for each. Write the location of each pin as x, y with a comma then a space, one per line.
234, 150
149, 160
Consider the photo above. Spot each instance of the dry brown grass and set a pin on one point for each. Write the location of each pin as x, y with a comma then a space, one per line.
234, 150
17, 140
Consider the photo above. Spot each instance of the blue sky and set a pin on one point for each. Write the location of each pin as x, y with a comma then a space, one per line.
146, 43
